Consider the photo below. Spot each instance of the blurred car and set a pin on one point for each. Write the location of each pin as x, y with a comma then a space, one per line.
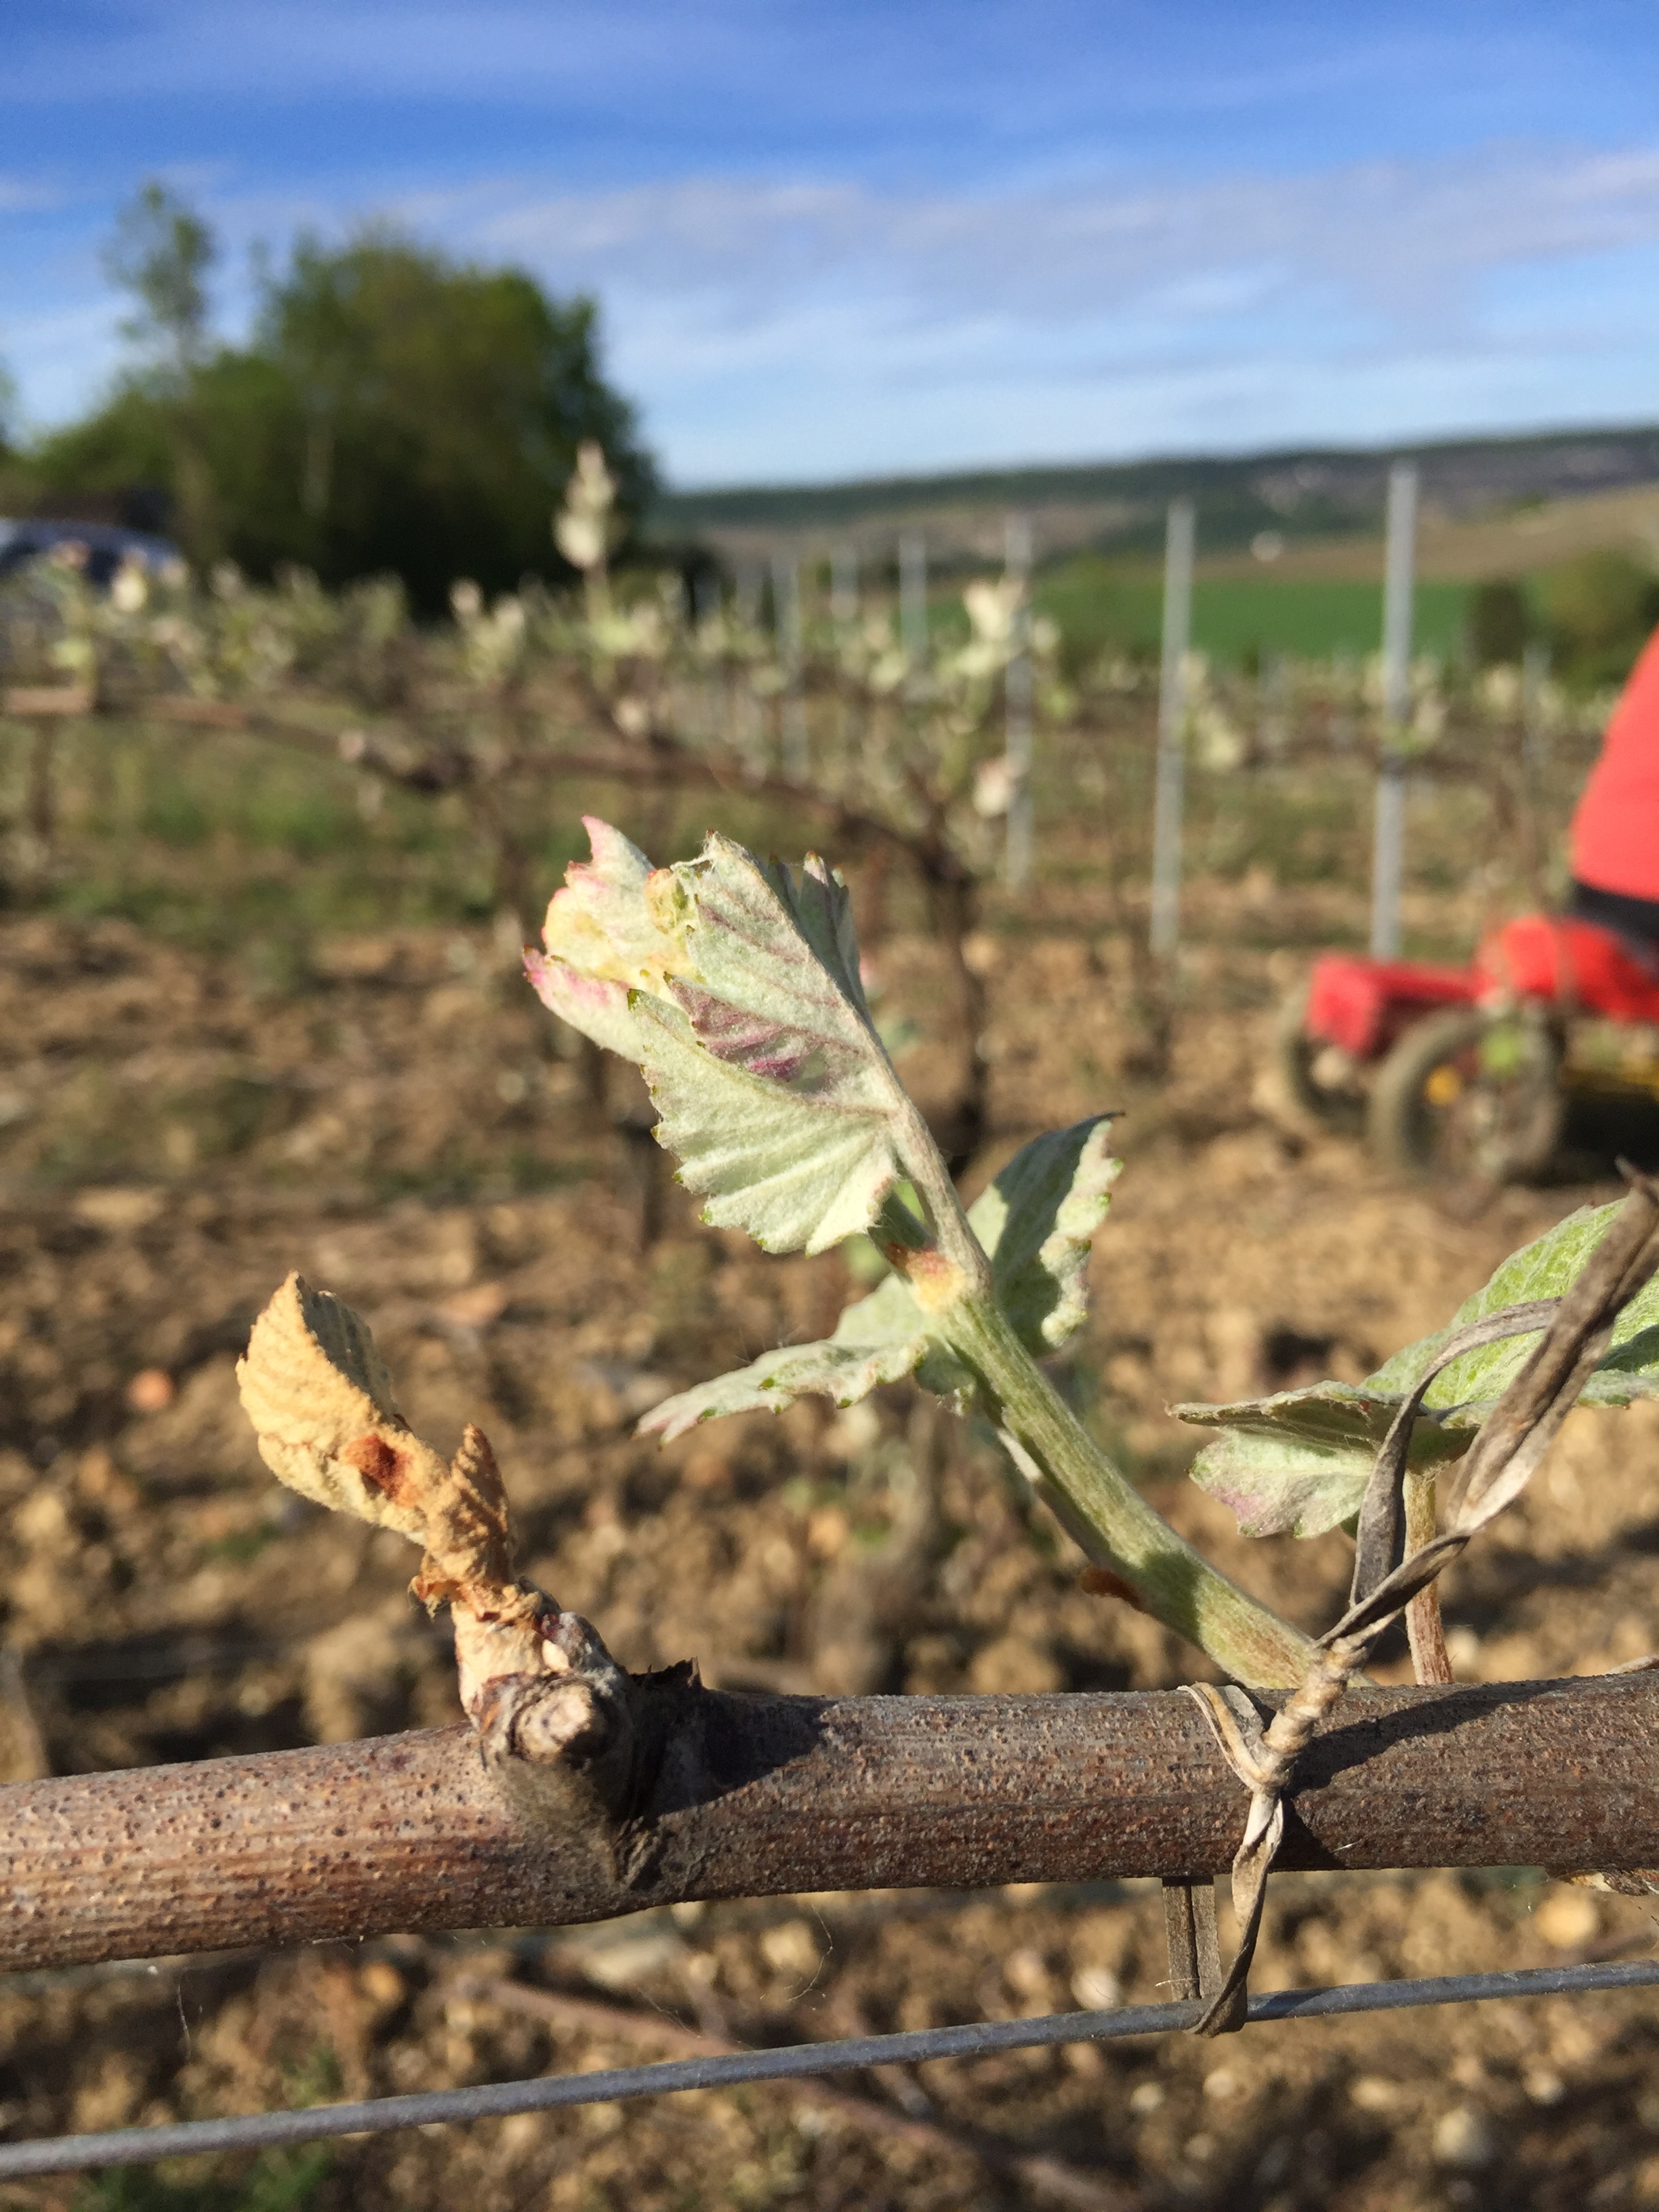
107, 546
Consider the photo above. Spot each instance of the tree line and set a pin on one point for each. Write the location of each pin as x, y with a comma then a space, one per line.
392, 410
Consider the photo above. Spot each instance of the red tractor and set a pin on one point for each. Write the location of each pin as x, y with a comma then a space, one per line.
1466, 1072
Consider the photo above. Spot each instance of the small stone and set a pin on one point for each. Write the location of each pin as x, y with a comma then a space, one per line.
1465, 2139
1543, 2086
1568, 1918
1372, 2093
382, 1984
1096, 1989
1026, 1973
791, 1948
151, 1390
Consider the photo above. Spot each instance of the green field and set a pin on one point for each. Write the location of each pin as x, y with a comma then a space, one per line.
1100, 605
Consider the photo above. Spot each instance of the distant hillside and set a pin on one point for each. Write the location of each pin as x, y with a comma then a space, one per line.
1119, 508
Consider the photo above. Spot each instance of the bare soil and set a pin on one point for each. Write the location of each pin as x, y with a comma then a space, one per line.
177, 1131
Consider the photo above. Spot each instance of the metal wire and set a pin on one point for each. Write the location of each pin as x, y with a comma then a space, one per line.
497, 2099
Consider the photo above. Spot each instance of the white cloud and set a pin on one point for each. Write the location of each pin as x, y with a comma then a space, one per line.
793, 327
1384, 236
27, 195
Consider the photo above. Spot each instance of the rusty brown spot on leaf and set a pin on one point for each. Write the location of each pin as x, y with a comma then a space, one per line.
384, 1469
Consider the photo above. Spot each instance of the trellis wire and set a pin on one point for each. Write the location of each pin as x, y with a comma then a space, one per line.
499, 2100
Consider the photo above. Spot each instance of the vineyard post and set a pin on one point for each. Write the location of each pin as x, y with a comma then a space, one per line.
1389, 849
748, 730
1171, 728
43, 780
1274, 708
844, 585
1343, 679
1535, 730
913, 601
705, 598
1018, 691
843, 613
786, 615
1536, 762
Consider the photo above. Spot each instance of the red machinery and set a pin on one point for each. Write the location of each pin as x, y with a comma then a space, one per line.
1466, 1071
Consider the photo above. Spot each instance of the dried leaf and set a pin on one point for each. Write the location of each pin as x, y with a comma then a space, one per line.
320, 1397
321, 1400
468, 1537
1297, 1463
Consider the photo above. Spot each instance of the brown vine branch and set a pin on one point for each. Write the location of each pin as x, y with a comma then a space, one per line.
723, 1795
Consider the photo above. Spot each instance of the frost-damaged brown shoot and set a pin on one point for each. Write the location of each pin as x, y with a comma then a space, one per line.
536, 1681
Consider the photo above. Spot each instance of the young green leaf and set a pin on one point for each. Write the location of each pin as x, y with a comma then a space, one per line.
1546, 1268
881, 1339
1034, 1221
769, 1081
1296, 1463
612, 930
1037, 1221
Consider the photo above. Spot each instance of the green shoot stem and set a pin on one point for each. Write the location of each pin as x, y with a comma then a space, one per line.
1099, 1506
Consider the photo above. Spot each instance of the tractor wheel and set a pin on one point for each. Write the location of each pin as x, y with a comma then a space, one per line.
1469, 1096
1319, 1080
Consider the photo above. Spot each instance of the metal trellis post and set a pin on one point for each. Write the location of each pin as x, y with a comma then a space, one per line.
1388, 847
1170, 793
913, 601
844, 584
1017, 686
786, 602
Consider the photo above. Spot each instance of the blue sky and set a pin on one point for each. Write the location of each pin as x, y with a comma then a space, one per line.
888, 236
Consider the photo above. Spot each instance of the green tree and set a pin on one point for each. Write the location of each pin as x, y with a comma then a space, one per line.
161, 253
1602, 608
436, 411
395, 410
1501, 623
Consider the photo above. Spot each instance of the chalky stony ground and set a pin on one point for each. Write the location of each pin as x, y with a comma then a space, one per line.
399, 1124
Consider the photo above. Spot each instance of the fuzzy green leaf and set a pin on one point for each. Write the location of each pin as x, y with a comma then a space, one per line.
1296, 1464
769, 1080
1037, 1221
1547, 1268
1034, 1221
879, 1340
